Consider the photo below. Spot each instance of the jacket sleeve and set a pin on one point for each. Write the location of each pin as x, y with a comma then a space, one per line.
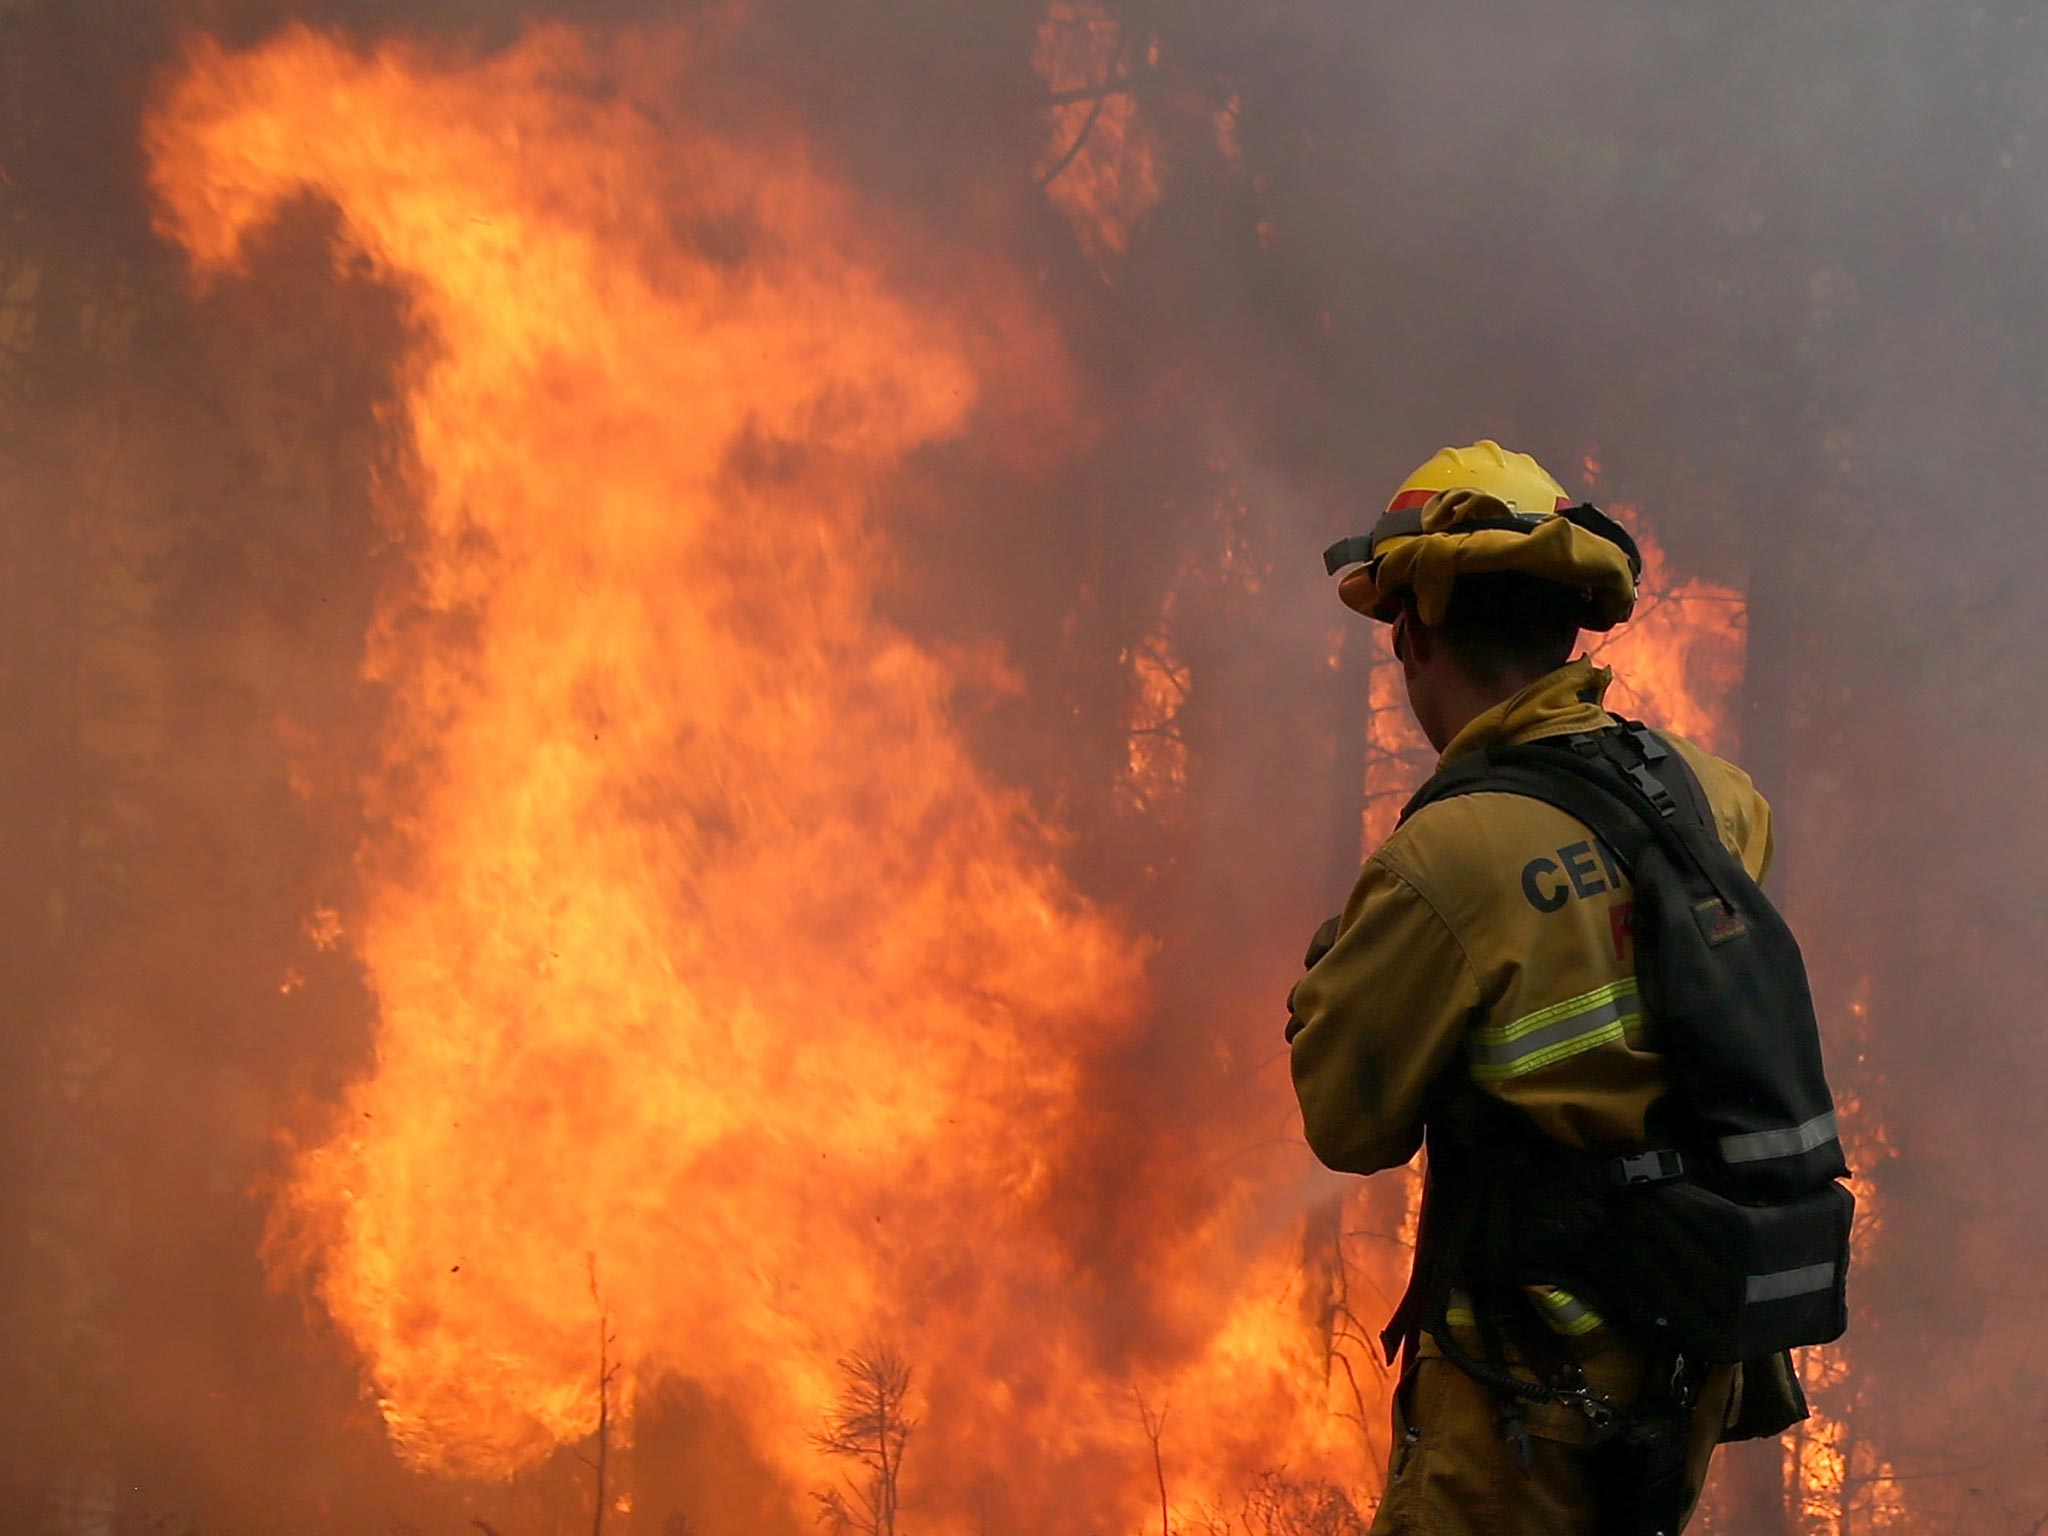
1378, 1019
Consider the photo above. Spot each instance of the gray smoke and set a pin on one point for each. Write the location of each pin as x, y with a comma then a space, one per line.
1780, 265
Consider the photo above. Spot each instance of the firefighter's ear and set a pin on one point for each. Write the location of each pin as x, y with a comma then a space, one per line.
1418, 642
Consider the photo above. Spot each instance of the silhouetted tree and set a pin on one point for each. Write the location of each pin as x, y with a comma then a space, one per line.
869, 1428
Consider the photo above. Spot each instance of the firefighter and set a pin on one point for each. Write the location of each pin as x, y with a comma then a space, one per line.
1485, 951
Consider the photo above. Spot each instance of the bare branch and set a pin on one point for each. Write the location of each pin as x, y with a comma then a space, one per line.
1089, 92
607, 1372
1155, 1430
1116, 59
870, 1427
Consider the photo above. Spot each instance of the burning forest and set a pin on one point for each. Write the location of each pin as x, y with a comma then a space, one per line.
673, 727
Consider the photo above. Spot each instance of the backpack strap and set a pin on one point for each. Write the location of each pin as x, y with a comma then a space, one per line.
1651, 763
1678, 768
1558, 777
1619, 783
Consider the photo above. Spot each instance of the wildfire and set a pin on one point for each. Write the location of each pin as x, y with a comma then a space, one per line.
718, 989
720, 993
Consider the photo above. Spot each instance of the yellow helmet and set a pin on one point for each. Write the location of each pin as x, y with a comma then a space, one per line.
1479, 509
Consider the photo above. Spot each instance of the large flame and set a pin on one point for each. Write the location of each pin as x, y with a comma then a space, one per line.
709, 953
717, 987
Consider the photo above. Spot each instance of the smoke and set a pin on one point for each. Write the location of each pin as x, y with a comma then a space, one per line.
1779, 269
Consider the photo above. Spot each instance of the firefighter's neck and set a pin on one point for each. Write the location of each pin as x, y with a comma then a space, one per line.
1445, 695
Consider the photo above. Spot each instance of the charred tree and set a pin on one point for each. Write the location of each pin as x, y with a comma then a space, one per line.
870, 1429
599, 1462
1153, 1421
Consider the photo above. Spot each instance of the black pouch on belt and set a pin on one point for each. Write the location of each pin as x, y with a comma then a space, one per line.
1733, 1282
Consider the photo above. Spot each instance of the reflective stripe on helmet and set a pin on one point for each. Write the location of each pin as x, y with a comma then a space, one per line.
1761, 1146
1554, 1034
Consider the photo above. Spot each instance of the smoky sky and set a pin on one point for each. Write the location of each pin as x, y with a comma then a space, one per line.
1780, 268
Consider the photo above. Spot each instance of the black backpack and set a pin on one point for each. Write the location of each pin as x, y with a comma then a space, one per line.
1726, 1234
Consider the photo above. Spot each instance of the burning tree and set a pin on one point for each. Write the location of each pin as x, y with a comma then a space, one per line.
869, 1427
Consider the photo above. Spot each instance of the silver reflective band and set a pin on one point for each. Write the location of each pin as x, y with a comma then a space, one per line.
1759, 1145
1790, 1282
1566, 1036
1553, 1034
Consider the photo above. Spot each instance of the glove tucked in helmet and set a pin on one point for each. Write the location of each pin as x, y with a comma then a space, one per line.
1481, 509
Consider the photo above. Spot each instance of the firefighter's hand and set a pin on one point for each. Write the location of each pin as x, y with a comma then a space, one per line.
1319, 946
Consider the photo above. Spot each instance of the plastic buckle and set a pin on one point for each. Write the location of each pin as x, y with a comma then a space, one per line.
1653, 750
1653, 787
1656, 1166
1636, 740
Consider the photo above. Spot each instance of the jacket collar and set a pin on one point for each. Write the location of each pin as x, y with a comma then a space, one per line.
1556, 704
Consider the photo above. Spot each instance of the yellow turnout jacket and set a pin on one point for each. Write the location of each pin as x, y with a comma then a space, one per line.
1496, 927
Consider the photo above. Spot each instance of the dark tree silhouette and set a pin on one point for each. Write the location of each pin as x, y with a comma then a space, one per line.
869, 1429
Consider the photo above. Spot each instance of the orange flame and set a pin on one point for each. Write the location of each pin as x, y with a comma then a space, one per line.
712, 976
1678, 661
702, 937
